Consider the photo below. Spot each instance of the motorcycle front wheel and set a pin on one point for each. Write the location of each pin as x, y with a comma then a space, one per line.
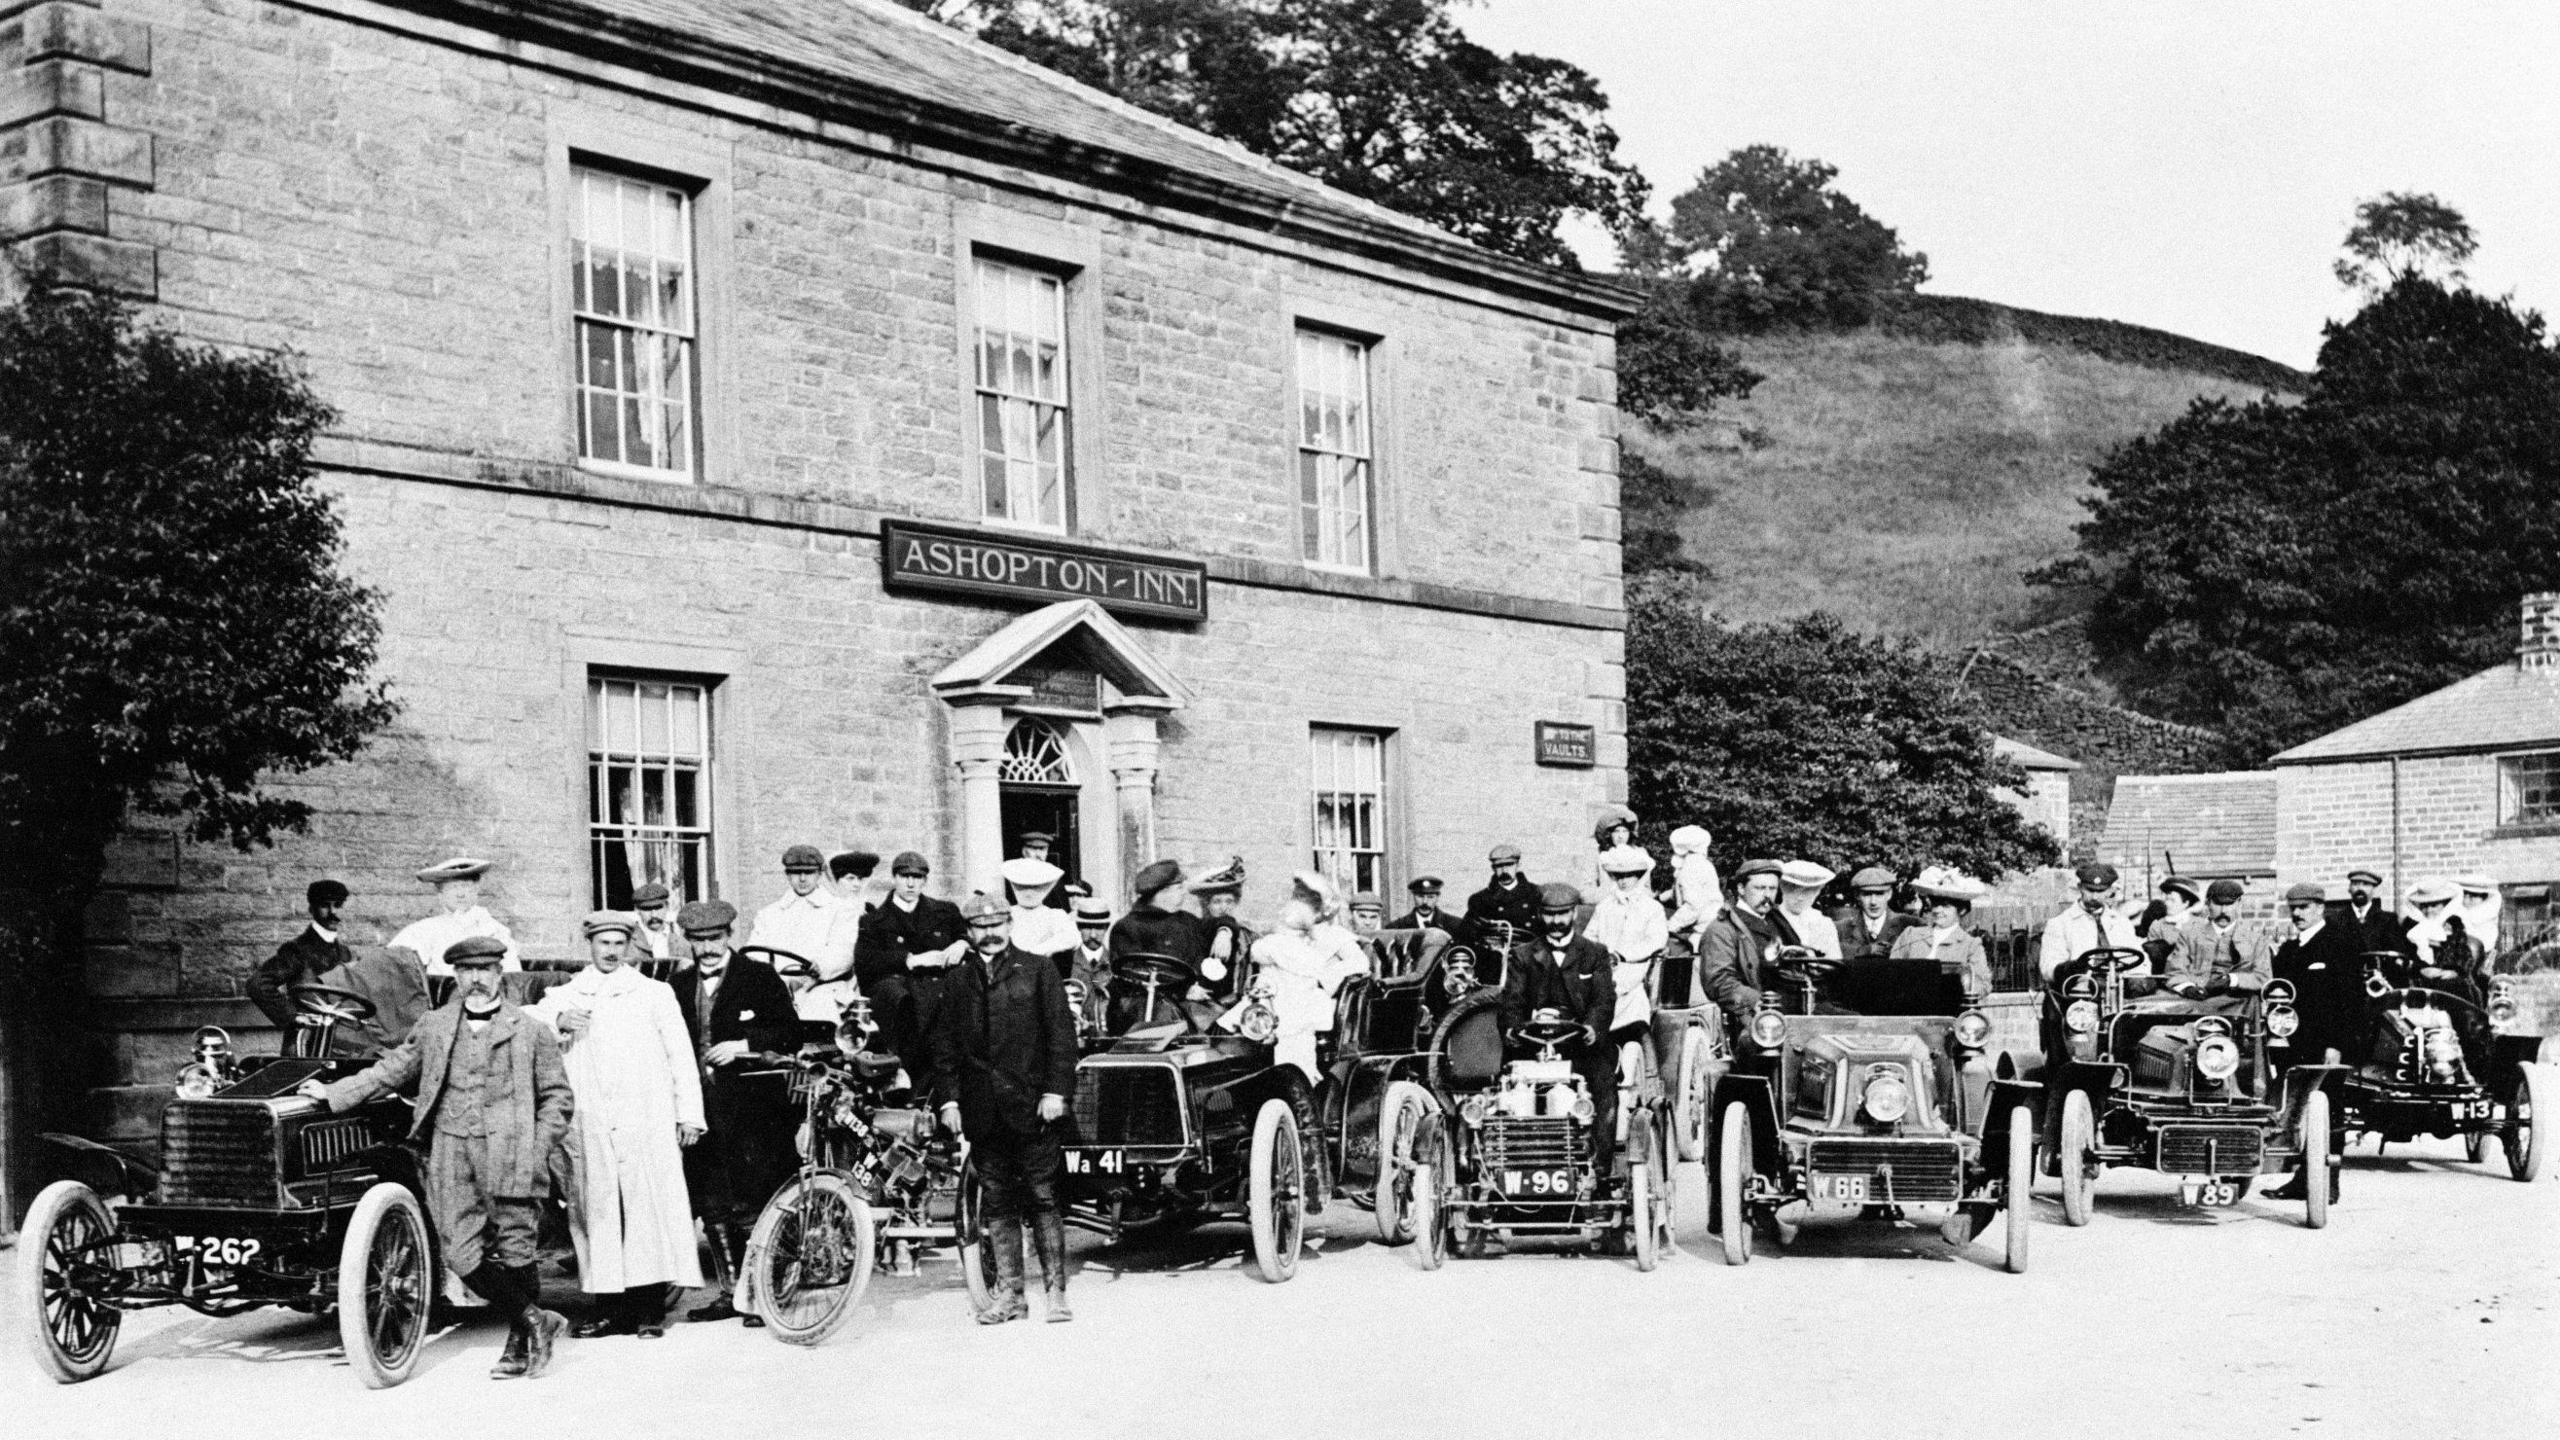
810, 1257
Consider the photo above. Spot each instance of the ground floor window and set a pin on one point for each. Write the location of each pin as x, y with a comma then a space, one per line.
649, 750
1350, 781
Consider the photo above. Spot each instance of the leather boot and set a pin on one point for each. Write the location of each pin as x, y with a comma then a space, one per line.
1049, 1237
724, 1278
512, 1359
1004, 1241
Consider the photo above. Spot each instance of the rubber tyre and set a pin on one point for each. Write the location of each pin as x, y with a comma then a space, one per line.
67, 1216
2528, 1150
2017, 1195
1733, 1173
969, 1222
1689, 1101
2314, 1138
773, 1267
386, 1285
1640, 1216
2079, 1137
1400, 1119
1430, 1222
1277, 1192
2478, 1146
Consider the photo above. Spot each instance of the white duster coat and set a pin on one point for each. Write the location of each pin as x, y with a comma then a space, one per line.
634, 1078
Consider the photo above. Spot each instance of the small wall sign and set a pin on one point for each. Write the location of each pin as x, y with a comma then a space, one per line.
1019, 567
1573, 747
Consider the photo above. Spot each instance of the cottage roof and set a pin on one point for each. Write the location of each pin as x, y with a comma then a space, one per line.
2028, 757
2222, 823
2498, 709
886, 66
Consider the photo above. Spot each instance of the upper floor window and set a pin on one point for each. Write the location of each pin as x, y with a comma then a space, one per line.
648, 788
1024, 464
1333, 450
2529, 788
1350, 783
632, 248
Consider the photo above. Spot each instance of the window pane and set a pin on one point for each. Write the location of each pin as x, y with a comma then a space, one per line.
632, 253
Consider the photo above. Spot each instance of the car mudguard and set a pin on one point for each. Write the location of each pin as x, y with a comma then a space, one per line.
132, 1175
2100, 1078
1760, 1102
2026, 1065
2007, 1094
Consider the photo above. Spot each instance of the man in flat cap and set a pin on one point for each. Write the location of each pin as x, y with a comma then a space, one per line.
1426, 913
2362, 916
1004, 1065
1796, 919
2323, 964
1039, 927
1368, 912
1868, 927
390, 979
1554, 974
2090, 923
737, 1012
1735, 952
908, 947
1228, 939
2215, 964
632, 1066
656, 937
493, 1102
797, 923
1506, 907
459, 916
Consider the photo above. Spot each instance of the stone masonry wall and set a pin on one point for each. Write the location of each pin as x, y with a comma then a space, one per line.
2329, 817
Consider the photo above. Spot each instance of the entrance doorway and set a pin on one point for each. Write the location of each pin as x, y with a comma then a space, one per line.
1042, 793
1049, 810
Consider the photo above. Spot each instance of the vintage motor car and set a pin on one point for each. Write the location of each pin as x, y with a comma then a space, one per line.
1175, 1127
2438, 1062
1890, 1106
261, 1197
880, 1186
2206, 1098
1505, 1151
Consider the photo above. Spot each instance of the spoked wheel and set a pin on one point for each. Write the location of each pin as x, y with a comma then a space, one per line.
1399, 1121
1640, 1215
1733, 1174
969, 1218
386, 1285
72, 1328
2079, 1138
2525, 1144
2481, 1146
1689, 1115
1277, 1187
1430, 1206
2315, 1159
810, 1257
2017, 1196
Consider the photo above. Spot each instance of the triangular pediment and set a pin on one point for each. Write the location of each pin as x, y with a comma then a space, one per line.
1077, 630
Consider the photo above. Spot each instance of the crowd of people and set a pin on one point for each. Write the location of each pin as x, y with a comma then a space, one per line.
652, 1105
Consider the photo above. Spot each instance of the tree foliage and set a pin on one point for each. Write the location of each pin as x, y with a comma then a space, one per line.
1773, 242
2397, 236
1802, 739
173, 626
2281, 570
1386, 99
1671, 371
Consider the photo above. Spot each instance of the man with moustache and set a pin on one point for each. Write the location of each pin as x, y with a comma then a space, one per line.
1509, 899
907, 946
395, 984
1554, 974
736, 1012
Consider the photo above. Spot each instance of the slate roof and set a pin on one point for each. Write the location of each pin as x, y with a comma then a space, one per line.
2029, 757
866, 52
2505, 708
2216, 824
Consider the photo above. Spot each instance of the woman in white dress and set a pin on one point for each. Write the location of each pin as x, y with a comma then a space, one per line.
639, 1104
1304, 963
1629, 923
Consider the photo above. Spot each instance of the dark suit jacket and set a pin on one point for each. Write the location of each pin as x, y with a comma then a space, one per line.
393, 982
1003, 1039
1857, 941
2379, 930
1581, 989
1412, 920
751, 1004
889, 935
2328, 982
1519, 905
1730, 956
526, 1102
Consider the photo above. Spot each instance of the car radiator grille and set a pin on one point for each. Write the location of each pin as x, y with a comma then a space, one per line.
327, 1145
1912, 1170
1129, 1105
215, 1152
2210, 1149
1510, 1143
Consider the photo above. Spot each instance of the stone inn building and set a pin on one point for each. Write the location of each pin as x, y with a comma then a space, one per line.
798, 422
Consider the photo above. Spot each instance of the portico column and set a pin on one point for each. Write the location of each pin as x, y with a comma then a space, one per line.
977, 748
1130, 735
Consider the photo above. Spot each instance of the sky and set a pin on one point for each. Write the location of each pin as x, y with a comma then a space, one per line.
2187, 166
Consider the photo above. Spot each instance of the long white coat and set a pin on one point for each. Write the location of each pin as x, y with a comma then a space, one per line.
634, 1078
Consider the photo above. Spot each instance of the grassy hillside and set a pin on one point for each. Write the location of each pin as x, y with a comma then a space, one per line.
1905, 476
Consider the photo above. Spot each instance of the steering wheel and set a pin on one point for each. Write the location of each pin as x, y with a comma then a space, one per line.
1801, 964
784, 962
2114, 958
1141, 969
333, 1003
1546, 1033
